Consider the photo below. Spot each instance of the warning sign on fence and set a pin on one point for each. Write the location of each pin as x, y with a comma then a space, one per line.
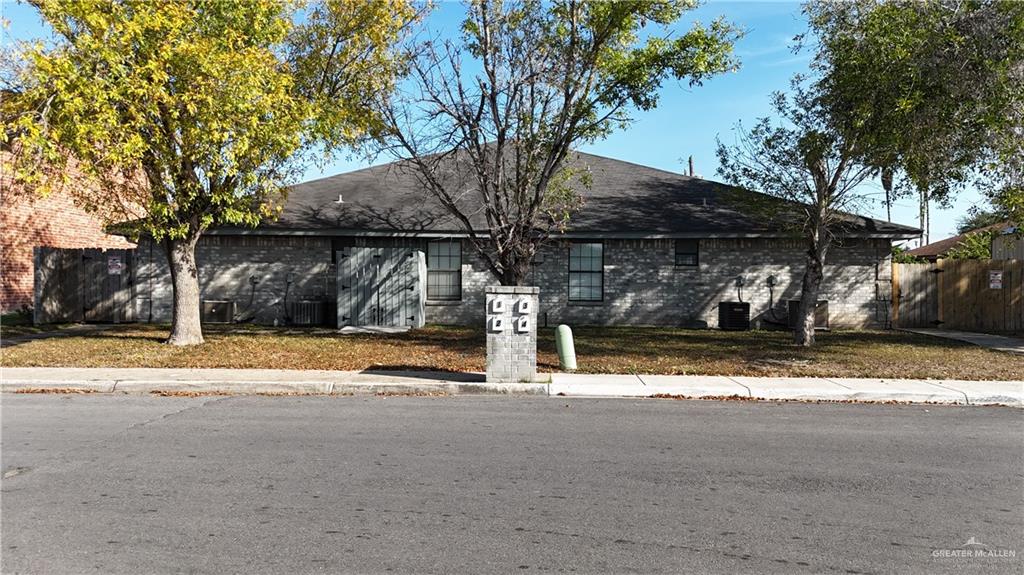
995, 279
114, 265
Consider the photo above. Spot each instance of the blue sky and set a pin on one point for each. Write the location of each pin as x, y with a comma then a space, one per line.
687, 119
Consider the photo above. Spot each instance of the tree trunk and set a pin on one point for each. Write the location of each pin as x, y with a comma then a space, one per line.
923, 216
515, 270
927, 221
887, 176
803, 334
185, 326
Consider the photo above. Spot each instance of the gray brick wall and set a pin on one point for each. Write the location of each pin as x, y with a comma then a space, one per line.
226, 264
511, 346
643, 286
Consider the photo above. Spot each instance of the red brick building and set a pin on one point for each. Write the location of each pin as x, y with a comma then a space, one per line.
27, 221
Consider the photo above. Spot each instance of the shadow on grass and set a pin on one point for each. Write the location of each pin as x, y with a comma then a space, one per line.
641, 341
631, 347
141, 331
439, 351
421, 372
10, 338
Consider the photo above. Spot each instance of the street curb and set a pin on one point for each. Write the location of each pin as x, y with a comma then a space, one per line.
943, 393
807, 389
172, 387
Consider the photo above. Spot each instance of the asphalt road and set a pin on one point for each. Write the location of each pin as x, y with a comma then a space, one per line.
129, 484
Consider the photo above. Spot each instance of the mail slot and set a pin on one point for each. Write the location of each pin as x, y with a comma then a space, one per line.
496, 324
523, 324
523, 306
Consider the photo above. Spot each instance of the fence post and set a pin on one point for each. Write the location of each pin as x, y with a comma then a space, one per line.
36, 287
895, 294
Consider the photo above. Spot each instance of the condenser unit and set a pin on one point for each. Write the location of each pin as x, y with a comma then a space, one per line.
820, 314
734, 315
217, 311
307, 312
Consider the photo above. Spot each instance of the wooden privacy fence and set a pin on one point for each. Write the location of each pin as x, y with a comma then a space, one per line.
75, 285
968, 295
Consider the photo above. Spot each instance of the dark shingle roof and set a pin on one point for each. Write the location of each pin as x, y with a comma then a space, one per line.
623, 199
938, 249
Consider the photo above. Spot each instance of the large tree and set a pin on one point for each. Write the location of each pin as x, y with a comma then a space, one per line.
980, 218
815, 170
930, 89
190, 113
924, 94
488, 123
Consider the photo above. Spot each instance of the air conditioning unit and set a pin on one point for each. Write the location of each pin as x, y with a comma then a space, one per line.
734, 315
217, 311
820, 314
307, 312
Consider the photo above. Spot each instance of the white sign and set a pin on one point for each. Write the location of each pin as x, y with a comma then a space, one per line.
114, 265
995, 279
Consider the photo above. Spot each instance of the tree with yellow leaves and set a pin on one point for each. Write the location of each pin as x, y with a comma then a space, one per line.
196, 111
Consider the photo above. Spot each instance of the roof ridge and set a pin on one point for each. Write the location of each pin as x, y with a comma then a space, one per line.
338, 175
379, 196
646, 167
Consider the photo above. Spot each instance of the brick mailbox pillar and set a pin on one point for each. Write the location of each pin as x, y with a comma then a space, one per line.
512, 334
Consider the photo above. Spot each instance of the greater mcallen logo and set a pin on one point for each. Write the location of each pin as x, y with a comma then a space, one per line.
974, 549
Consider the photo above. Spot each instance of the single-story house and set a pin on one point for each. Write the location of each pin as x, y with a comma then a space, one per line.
648, 247
939, 249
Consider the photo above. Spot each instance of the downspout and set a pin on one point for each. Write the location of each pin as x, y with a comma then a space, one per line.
150, 282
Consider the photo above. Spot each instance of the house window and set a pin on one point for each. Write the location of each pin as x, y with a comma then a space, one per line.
586, 272
687, 253
444, 270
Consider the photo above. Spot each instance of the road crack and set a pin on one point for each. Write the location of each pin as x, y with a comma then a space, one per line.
173, 413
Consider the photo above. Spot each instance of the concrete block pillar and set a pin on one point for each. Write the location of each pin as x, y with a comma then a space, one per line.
511, 334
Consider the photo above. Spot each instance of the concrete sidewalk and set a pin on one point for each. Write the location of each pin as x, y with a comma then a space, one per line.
996, 342
792, 388
147, 380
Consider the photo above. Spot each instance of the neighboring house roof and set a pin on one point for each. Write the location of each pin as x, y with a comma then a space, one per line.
940, 248
622, 200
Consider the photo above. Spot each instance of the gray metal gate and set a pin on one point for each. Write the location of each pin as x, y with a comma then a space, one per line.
381, 287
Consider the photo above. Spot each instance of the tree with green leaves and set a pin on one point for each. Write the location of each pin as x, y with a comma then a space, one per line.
977, 219
488, 124
191, 114
923, 94
816, 171
901, 255
931, 91
974, 246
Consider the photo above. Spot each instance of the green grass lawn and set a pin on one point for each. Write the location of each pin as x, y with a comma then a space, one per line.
641, 350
